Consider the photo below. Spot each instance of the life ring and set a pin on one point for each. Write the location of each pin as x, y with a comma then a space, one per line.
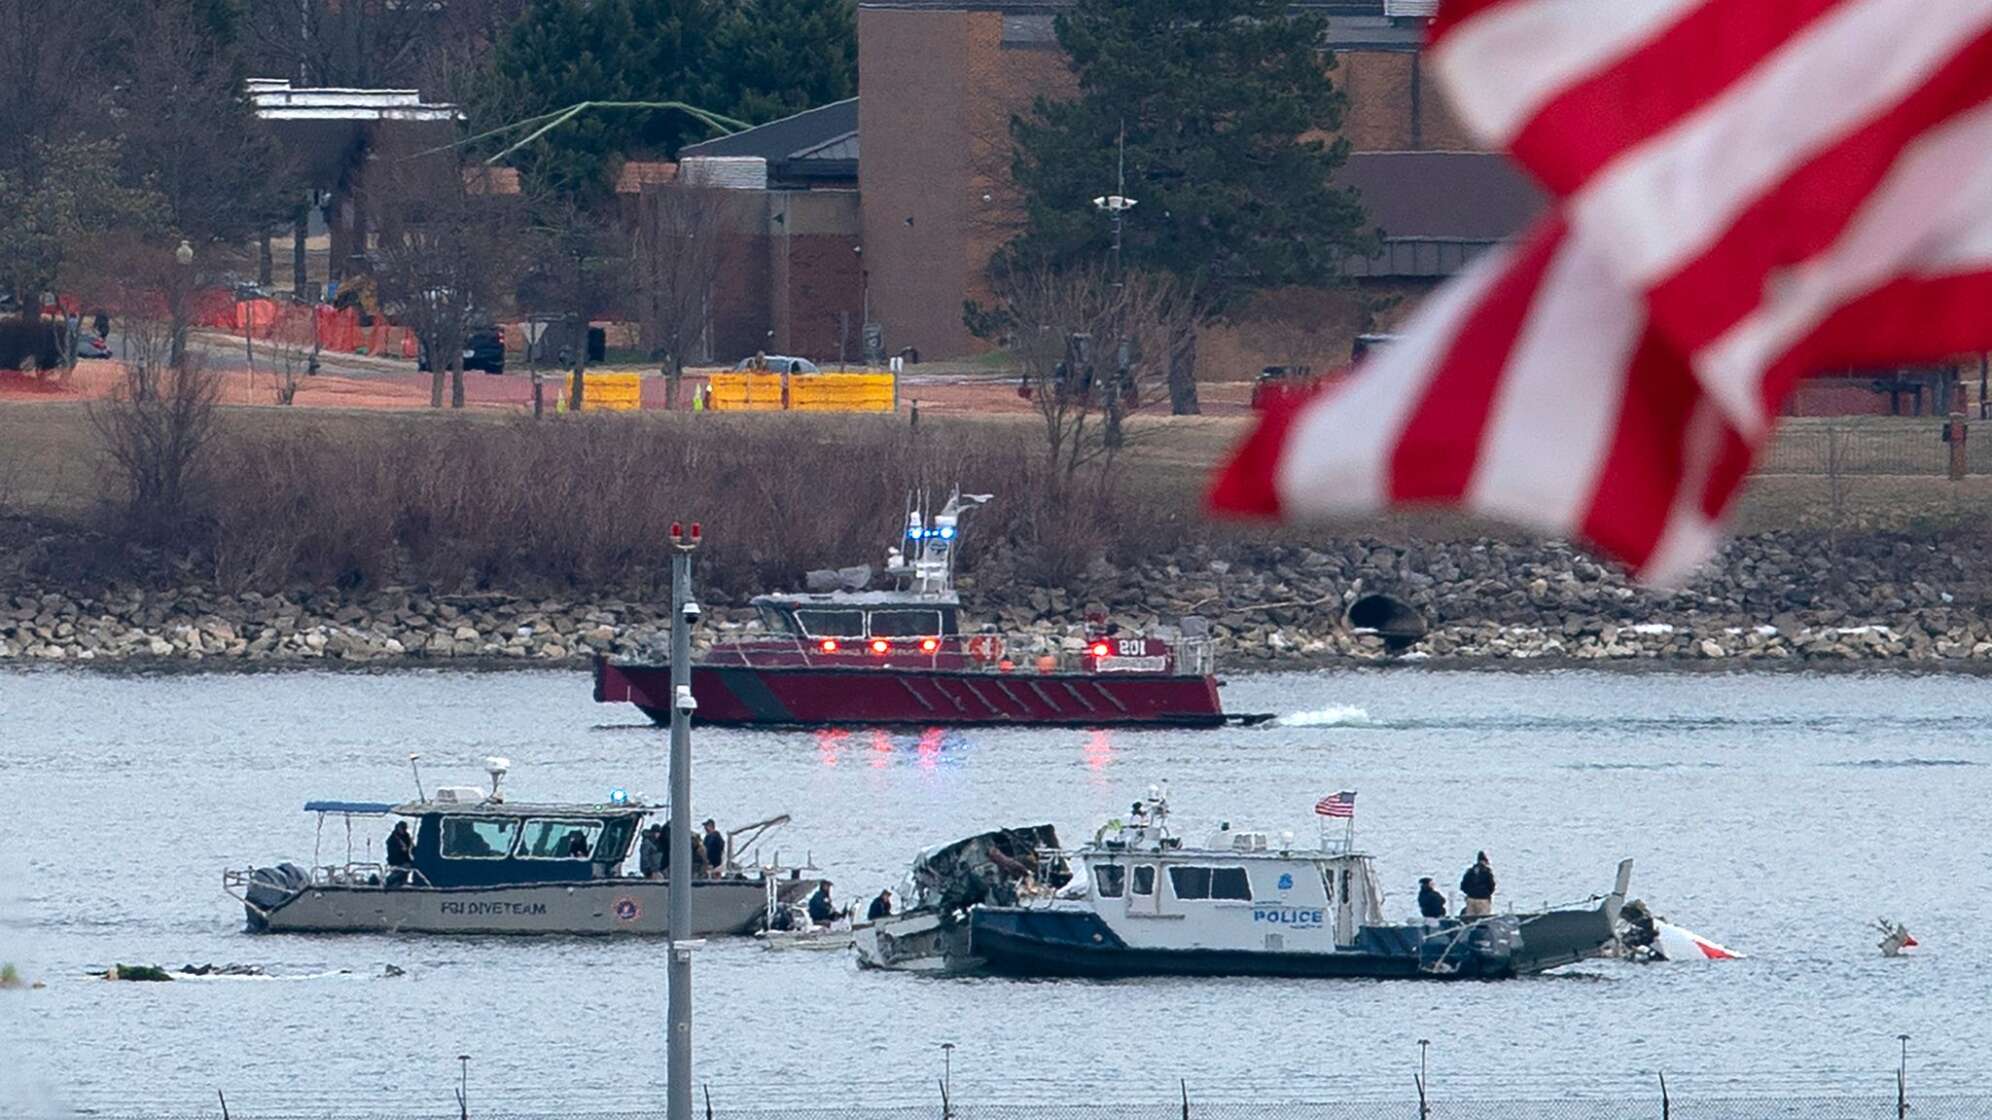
985, 647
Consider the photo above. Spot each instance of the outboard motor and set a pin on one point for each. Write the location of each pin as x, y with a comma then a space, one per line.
271, 887
1397, 621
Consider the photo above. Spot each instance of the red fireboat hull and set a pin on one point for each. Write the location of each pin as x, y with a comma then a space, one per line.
733, 695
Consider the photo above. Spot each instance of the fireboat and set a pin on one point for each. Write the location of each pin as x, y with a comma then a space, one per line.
854, 656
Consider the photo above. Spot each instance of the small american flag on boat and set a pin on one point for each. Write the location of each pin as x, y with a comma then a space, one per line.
1341, 804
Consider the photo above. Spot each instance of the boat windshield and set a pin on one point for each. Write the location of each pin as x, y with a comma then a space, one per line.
1110, 880
905, 624
832, 624
776, 620
478, 837
556, 839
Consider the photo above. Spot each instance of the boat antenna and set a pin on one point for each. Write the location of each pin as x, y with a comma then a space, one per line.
496, 767
419, 795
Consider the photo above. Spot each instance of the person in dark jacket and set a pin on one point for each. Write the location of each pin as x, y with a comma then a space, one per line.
1431, 903
715, 848
881, 907
400, 854
1478, 887
822, 911
650, 856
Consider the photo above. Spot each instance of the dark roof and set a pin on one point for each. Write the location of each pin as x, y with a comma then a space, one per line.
1438, 209
788, 137
1325, 7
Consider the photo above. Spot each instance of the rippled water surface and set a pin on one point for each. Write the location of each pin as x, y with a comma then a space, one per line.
1779, 814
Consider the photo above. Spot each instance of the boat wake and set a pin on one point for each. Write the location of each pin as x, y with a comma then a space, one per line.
1337, 715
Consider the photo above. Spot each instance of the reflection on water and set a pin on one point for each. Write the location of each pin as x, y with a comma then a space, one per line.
1774, 813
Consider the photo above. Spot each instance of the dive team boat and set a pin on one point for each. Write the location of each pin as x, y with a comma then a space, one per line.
485, 865
845, 654
1244, 903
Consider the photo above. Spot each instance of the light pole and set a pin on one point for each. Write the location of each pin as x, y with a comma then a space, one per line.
183, 257
947, 1080
678, 1041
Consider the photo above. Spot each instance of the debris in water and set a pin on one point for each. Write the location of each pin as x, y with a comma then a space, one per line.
1894, 937
143, 972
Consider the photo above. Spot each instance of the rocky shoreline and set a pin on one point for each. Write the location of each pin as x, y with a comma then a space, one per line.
1776, 598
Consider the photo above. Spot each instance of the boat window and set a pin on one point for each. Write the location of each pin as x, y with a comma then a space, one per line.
614, 841
547, 839
832, 624
1230, 882
905, 624
475, 838
775, 620
1328, 885
1144, 879
1110, 879
1190, 882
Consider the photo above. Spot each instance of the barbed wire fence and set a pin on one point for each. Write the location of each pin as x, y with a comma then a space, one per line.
1877, 1095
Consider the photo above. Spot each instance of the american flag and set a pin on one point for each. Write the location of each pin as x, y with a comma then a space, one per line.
1341, 804
1747, 192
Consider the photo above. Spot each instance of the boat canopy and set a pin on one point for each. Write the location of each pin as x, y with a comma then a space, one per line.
608, 811
356, 808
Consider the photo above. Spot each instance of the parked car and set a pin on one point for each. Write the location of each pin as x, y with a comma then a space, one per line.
778, 363
484, 349
1278, 383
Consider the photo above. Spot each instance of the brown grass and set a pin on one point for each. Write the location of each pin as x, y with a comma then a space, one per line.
472, 500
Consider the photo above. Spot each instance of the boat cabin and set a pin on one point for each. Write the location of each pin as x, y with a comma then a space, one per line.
857, 617
482, 843
1238, 890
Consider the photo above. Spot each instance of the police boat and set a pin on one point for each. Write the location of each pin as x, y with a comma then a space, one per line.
1246, 903
480, 864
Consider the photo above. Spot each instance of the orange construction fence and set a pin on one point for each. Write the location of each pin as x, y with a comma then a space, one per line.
334, 329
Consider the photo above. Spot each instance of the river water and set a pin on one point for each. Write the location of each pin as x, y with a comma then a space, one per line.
1777, 813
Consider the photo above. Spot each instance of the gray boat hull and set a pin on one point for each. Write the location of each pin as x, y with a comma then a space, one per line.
632, 907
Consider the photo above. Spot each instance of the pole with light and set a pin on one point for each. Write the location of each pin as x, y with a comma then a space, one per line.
678, 1041
1117, 205
183, 257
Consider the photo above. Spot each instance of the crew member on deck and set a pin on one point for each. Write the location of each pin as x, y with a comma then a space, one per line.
822, 911
1431, 903
1478, 887
715, 848
881, 907
400, 854
650, 857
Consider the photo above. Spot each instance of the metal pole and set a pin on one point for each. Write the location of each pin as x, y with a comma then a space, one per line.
678, 1047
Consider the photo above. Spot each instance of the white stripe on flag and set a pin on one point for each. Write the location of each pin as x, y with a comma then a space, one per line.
1504, 64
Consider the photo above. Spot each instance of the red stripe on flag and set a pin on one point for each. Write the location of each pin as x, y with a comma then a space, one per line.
1642, 473
1806, 212
1435, 456
1590, 124
1248, 483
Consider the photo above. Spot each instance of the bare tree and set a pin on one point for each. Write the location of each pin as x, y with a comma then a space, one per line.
157, 429
677, 263
291, 347
446, 249
1094, 349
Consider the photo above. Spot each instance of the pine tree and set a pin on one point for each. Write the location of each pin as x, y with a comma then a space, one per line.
779, 57
1223, 104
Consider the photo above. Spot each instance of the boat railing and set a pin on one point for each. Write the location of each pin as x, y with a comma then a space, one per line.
992, 653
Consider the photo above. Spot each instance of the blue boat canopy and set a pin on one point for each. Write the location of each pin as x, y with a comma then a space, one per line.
370, 808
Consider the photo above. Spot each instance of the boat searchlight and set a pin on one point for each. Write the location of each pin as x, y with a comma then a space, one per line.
497, 768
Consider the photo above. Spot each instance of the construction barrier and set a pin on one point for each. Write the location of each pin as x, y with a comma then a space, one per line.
614, 392
802, 392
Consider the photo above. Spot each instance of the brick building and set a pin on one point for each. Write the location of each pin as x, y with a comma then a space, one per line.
940, 79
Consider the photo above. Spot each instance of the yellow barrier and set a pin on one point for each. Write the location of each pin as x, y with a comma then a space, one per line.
806, 392
612, 392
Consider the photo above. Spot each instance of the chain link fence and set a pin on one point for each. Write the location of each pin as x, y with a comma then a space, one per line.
1880, 446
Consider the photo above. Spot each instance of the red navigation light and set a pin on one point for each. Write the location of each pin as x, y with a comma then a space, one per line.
880, 645
1099, 649
929, 645
827, 645
677, 531
695, 532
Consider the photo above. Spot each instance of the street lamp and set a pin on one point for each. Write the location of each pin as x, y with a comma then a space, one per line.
184, 255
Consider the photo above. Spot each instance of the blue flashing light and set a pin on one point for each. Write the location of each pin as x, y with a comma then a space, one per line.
619, 796
947, 532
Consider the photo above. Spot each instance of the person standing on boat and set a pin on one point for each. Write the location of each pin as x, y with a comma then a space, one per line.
715, 848
400, 854
1478, 887
650, 857
1431, 903
881, 907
